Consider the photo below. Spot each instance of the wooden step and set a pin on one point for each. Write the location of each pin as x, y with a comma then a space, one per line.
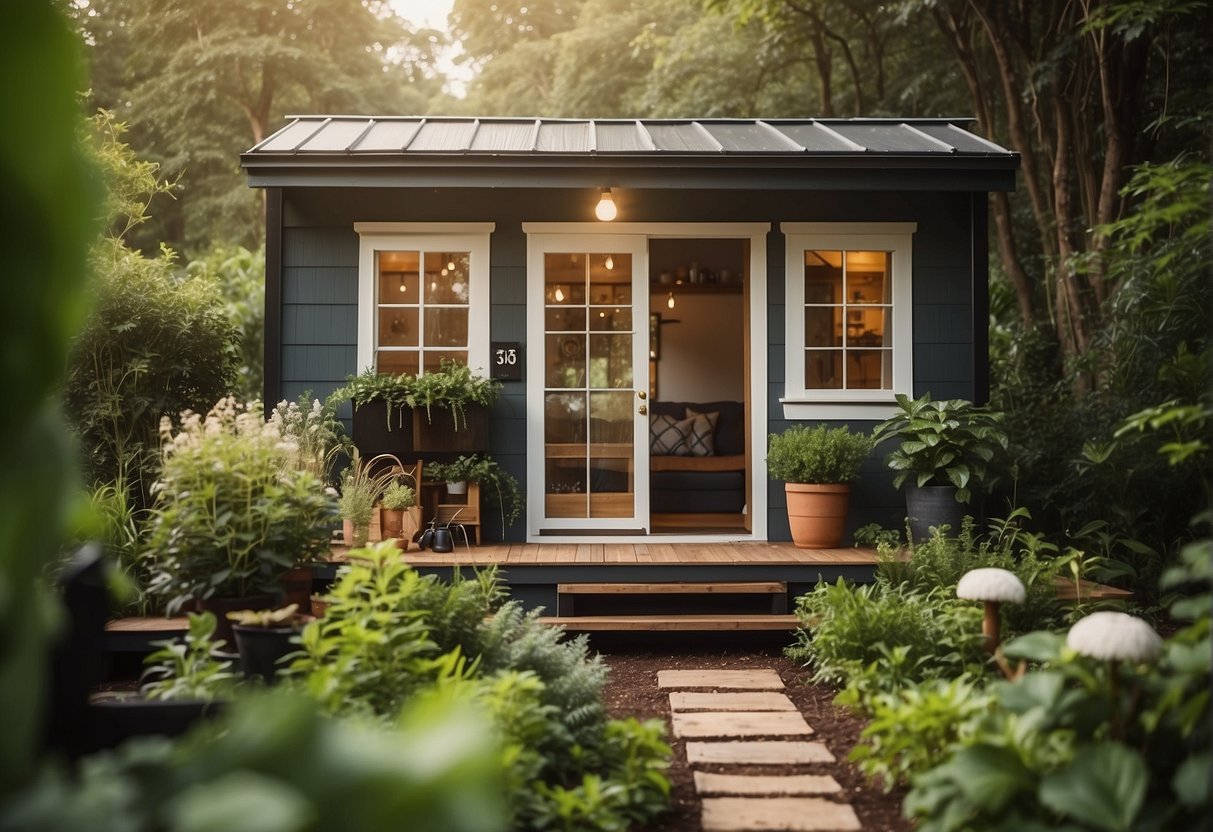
688, 623
136, 633
676, 588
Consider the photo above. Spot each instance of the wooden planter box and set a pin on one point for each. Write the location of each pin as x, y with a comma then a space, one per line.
411, 432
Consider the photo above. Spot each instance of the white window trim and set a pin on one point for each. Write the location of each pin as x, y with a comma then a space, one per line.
472, 237
799, 403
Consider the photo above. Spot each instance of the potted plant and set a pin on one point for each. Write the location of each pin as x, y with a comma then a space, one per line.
264, 637
944, 449
399, 514
492, 477
362, 484
817, 465
233, 513
388, 409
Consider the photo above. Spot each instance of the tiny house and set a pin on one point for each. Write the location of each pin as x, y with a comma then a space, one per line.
637, 284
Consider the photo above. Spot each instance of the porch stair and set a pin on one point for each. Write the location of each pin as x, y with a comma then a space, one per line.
673, 606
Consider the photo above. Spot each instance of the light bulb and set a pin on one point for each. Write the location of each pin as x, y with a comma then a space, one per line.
450, 264
402, 287
605, 210
610, 262
670, 302
444, 272
559, 295
433, 285
602, 314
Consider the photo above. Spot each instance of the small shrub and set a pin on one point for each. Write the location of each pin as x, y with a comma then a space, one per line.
818, 454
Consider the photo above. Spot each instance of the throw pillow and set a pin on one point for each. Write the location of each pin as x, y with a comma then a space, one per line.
668, 436
700, 438
713, 417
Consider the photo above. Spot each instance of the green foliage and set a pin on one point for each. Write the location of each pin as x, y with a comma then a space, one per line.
943, 442
111, 520
240, 276
188, 668
877, 637
233, 514
485, 470
820, 454
941, 561
275, 762
398, 496
873, 534
453, 387
49, 199
309, 433
911, 728
362, 484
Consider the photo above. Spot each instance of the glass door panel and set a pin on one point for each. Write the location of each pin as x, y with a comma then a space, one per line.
590, 405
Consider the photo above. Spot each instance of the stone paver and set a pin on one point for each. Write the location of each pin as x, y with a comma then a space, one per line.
740, 724
707, 783
795, 814
768, 752
750, 700
761, 679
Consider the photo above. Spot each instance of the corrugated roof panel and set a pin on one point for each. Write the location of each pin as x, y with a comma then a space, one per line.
564, 137
621, 137
688, 137
336, 136
814, 137
890, 137
394, 134
750, 137
959, 138
505, 136
445, 135
289, 137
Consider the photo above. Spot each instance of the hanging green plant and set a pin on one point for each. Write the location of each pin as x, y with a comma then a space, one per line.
452, 387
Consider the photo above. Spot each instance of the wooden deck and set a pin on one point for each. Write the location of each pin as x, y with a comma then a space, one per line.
667, 554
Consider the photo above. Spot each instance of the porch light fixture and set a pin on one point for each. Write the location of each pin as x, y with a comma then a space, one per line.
605, 210
670, 301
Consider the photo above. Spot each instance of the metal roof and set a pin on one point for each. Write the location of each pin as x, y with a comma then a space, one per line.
442, 152
405, 136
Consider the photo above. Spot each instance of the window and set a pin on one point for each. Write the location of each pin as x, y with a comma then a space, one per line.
848, 317
423, 296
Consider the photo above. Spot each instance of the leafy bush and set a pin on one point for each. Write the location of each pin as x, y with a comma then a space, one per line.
233, 514
154, 345
880, 636
240, 276
188, 668
818, 455
943, 442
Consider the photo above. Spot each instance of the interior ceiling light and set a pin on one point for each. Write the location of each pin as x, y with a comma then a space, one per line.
610, 262
670, 302
605, 210
559, 295
450, 265
402, 286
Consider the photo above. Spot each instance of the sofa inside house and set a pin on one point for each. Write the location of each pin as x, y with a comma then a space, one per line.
697, 460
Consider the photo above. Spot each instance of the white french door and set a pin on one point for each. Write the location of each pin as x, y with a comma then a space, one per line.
587, 383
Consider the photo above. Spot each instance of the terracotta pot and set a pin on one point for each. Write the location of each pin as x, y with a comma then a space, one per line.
319, 606
392, 522
817, 514
347, 530
297, 586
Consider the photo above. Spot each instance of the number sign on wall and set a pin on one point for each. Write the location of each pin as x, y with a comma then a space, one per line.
507, 360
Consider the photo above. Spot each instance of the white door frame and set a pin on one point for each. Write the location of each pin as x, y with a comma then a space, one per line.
539, 235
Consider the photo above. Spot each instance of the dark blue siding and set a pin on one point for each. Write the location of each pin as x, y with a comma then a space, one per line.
319, 314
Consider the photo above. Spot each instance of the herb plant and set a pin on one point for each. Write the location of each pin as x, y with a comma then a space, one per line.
189, 668
818, 454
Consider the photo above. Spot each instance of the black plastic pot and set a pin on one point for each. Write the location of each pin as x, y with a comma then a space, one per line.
932, 505
261, 648
116, 717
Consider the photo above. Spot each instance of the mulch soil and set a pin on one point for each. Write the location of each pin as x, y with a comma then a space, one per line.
632, 691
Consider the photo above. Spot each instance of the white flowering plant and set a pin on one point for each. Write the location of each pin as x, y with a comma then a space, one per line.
234, 509
311, 434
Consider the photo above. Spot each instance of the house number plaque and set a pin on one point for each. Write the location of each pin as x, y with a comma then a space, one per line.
507, 361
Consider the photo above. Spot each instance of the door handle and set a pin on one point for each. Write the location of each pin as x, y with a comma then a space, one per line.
640, 394
642, 410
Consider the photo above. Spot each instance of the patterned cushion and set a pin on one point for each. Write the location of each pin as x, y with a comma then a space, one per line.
668, 436
681, 437
701, 438
713, 419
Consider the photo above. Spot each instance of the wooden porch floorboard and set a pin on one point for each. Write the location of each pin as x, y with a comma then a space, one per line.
575, 554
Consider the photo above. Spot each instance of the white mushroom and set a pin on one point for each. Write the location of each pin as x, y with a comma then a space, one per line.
1114, 636
992, 586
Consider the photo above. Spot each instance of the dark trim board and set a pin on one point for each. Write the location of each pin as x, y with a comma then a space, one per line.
272, 358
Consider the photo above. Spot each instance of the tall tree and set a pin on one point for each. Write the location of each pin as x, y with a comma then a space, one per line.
203, 80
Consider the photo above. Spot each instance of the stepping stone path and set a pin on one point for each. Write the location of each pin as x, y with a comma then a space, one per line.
719, 729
